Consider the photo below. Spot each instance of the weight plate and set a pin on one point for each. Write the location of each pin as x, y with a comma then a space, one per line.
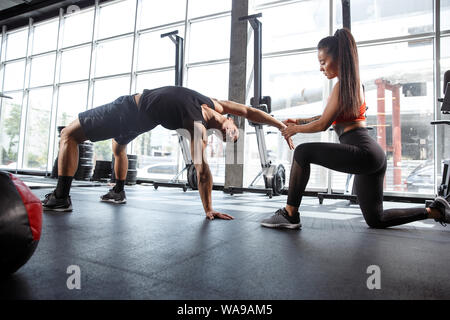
279, 180
192, 177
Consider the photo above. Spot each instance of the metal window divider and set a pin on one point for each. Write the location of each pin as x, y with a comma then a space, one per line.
55, 94
25, 99
93, 55
134, 55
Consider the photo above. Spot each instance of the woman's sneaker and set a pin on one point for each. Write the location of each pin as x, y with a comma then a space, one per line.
114, 197
281, 219
51, 203
443, 206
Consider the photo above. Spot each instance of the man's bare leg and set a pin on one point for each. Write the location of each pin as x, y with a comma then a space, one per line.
117, 194
120, 160
71, 136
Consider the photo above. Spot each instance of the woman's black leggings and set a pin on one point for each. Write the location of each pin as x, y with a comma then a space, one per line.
362, 156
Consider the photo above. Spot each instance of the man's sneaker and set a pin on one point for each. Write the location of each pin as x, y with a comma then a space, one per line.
47, 196
51, 203
114, 197
444, 207
281, 219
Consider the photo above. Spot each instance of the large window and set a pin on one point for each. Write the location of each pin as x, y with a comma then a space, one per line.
399, 84
152, 15
210, 40
72, 99
155, 52
42, 70
110, 24
159, 154
95, 64
106, 91
208, 64
445, 13
16, 44
114, 57
11, 111
291, 77
75, 64
377, 19
78, 28
296, 89
398, 79
198, 8
210, 80
445, 55
45, 37
282, 30
14, 75
155, 79
37, 129
403, 69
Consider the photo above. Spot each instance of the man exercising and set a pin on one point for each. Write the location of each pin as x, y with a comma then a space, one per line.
129, 116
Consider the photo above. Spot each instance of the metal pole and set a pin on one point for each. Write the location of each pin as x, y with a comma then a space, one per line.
346, 16
55, 94
25, 99
179, 55
92, 58
257, 27
179, 60
438, 131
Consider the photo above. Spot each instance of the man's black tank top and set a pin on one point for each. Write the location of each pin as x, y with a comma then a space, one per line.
174, 107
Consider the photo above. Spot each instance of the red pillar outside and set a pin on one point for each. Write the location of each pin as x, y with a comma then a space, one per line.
381, 113
396, 137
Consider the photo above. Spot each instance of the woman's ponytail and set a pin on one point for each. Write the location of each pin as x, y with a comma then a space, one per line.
349, 80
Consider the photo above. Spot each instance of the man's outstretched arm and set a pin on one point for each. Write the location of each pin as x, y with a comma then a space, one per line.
204, 176
250, 113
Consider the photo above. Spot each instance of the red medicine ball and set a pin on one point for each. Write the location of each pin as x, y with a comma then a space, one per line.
20, 223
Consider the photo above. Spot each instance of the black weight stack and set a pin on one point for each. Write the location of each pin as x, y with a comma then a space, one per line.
132, 171
85, 161
102, 171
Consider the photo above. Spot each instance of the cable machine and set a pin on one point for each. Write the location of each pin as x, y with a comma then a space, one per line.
443, 189
189, 164
274, 176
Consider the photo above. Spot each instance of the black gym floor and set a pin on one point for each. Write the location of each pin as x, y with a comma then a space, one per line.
160, 246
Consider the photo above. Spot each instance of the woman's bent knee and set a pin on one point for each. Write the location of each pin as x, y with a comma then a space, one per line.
300, 155
373, 219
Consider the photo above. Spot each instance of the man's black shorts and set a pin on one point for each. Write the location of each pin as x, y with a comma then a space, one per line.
119, 119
